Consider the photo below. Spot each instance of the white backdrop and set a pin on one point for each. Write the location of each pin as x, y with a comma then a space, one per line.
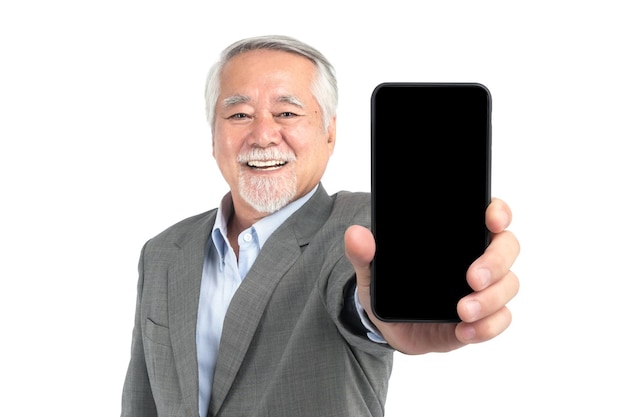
104, 144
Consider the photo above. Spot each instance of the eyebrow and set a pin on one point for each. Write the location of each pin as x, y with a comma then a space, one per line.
234, 100
290, 100
239, 99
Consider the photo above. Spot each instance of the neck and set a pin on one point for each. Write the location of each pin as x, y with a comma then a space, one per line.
240, 220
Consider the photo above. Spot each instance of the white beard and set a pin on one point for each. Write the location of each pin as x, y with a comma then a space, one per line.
267, 194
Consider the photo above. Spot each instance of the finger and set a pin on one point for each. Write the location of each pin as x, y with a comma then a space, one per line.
484, 329
479, 305
495, 262
498, 216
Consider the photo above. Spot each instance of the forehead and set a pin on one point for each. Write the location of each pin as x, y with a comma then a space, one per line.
269, 68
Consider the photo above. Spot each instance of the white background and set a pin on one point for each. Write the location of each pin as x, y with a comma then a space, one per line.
104, 144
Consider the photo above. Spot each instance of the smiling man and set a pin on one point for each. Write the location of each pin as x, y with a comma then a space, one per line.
271, 142
261, 306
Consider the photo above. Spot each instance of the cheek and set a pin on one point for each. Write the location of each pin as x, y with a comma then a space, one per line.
225, 156
313, 160
224, 147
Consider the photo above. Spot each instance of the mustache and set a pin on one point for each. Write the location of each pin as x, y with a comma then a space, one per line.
268, 154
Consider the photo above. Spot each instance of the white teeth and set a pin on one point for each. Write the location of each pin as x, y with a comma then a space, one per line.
265, 164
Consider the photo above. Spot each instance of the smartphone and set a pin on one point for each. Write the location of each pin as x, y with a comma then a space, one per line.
431, 184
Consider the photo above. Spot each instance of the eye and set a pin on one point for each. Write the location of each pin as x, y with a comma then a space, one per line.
238, 116
287, 115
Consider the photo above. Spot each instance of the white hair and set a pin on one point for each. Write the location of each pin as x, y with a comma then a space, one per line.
324, 86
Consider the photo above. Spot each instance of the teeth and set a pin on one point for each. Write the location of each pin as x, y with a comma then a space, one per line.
265, 164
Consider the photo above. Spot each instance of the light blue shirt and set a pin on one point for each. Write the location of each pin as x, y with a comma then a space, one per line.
222, 274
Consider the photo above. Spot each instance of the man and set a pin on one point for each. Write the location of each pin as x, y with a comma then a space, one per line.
261, 307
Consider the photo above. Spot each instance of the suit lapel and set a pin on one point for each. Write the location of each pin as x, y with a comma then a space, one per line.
184, 278
248, 304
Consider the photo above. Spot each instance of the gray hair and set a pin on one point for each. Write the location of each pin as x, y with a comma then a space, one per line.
323, 88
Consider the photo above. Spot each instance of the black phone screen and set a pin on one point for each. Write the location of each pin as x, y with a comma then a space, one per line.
431, 175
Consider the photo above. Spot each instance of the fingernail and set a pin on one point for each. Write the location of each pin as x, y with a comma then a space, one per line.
468, 333
484, 277
473, 309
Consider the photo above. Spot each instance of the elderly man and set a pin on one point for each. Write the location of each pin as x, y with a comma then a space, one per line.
261, 306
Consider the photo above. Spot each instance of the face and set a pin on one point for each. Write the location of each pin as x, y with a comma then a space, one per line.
269, 140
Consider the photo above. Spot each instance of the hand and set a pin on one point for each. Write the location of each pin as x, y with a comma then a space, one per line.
483, 313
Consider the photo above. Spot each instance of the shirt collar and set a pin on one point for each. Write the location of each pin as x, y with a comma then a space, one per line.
263, 228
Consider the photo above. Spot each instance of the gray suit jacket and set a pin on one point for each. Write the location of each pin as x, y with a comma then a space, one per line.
285, 349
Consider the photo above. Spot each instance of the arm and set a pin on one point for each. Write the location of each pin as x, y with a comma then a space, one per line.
137, 400
483, 313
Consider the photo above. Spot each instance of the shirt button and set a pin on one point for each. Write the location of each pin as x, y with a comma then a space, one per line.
247, 237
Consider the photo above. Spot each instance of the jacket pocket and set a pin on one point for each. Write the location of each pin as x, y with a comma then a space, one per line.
161, 369
157, 333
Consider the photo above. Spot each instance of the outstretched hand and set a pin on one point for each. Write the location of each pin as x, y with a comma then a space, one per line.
483, 313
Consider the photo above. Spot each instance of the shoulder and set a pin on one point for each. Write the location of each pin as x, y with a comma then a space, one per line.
334, 212
351, 197
354, 206
182, 231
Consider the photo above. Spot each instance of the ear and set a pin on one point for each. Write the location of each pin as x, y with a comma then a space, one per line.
332, 134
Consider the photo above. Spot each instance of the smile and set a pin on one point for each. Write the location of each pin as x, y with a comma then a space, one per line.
271, 164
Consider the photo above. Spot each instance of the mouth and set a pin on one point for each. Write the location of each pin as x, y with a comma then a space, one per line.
266, 165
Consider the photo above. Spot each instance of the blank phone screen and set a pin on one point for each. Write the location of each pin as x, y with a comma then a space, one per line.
431, 169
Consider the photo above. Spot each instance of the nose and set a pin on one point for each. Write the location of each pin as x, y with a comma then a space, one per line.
265, 131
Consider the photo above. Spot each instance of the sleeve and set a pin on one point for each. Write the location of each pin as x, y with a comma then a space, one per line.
354, 316
343, 306
339, 293
137, 399
349, 313
372, 331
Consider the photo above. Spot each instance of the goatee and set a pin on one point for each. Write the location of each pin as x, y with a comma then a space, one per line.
267, 193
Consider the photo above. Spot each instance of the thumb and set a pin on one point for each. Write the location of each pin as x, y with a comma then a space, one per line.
360, 249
